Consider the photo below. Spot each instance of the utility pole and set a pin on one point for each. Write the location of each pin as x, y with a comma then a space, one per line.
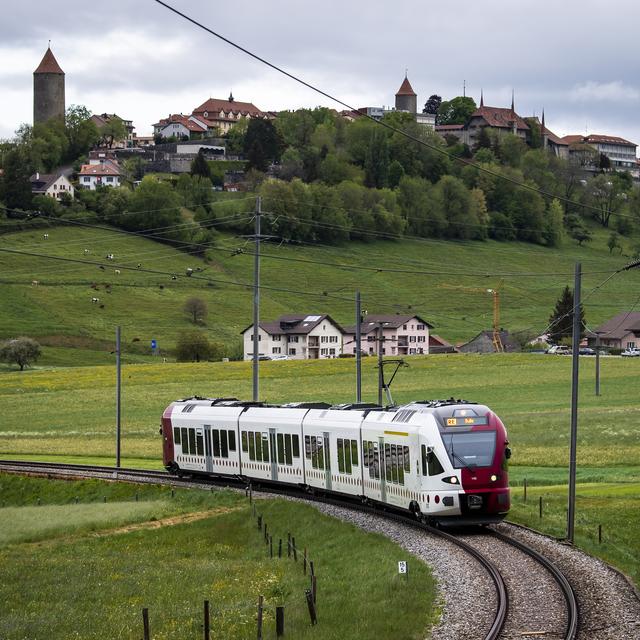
118, 390
575, 345
597, 363
256, 302
380, 369
358, 354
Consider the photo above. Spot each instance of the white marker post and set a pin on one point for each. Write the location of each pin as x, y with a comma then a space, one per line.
403, 568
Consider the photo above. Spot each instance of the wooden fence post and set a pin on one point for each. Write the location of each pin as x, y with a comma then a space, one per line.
525, 489
314, 588
540, 507
288, 545
311, 605
260, 603
279, 547
279, 622
271, 546
145, 624
206, 620
599, 534
295, 551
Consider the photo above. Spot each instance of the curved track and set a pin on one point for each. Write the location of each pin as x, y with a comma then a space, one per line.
53, 470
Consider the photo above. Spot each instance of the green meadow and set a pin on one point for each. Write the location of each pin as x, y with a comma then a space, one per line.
68, 414
109, 550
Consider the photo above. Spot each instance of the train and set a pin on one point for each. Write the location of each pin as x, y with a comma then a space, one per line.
445, 461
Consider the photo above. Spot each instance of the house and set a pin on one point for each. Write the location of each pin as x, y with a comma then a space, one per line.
221, 115
180, 127
439, 345
52, 185
105, 173
621, 332
483, 343
98, 156
498, 119
299, 337
402, 335
124, 143
621, 152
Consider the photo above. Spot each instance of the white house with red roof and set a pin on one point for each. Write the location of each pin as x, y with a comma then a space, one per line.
180, 127
105, 173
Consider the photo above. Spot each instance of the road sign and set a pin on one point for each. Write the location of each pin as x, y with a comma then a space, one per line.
402, 566
154, 344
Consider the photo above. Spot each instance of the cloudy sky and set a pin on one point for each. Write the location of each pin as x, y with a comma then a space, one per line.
576, 58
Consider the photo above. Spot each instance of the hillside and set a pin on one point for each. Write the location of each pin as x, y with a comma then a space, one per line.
148, 303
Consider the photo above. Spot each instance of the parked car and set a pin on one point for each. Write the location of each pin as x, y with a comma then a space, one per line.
559, 350
587, 351
631, 352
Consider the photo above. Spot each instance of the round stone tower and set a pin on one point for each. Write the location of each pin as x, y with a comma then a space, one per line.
406, 98
48, 90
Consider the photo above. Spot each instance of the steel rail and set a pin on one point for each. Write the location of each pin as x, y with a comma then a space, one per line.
566, 588
149, 476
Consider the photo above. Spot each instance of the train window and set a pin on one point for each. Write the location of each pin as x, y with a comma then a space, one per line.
258, 446
307, 447
433, 464
387, 462
245, 443
280, 448
252, 446
365, 453
223, 444
407, 460
314, 451
192, 442
347, 456
200, 444
340, 456
207, 445
376, 460
176, 435
295, 441
400, 460
185, 440
287, 449
232, 440
320, 445
354, 453
265, 448
216, 443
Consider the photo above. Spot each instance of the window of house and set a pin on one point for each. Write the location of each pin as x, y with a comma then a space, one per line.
412, 338
323, 352
293, 338
332, 352
275, 350
412, 351
292, 352
276, 338
323, 338
86, 179
404, 326
420, 327
109, 179
422, 338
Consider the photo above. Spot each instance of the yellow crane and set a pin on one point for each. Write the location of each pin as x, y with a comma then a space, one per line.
495, 292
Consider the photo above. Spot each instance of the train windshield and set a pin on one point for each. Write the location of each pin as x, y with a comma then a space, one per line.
470, 449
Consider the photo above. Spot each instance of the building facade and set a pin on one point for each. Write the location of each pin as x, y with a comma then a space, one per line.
296, 337
402, 335
48, 90
621, 152
621, 332
101, 174
51, 185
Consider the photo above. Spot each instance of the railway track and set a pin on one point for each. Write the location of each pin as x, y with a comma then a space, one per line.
513, 617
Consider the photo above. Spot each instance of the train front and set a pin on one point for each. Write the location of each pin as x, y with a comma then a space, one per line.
475, 440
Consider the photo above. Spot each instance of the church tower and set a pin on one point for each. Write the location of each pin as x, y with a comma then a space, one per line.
406, 98
48, 90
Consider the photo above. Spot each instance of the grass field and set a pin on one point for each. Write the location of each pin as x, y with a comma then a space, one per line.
451, 293
67, 414
93, 574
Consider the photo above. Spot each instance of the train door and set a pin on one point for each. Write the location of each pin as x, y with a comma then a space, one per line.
327, 460
383, 469
207, 448
273, 458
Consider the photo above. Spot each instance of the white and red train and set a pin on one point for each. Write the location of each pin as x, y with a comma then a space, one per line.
445, 460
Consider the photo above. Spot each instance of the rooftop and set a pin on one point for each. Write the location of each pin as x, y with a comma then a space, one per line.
49, 64
405, 88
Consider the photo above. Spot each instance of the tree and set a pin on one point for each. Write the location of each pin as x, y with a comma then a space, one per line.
561, 320
580, 233
81, 131
262, 144
193, 346
606, 194
21, 351
196, 309
614, 242
432, 104
200, 167
15, 187
153, 205
112, 131
456, 111
554, 231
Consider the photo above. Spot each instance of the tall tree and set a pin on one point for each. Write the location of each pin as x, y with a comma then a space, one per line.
81, 131
561, 320
196, 309
456, 111
15, 187
262, 144
200, 166
432, 104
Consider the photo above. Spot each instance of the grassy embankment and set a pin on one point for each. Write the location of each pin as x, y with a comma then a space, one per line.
68, 414
59, 312
87, 569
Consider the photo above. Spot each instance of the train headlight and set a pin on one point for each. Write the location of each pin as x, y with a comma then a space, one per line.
451, 480
494, 478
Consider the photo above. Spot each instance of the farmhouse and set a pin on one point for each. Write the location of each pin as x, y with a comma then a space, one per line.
52, 185
298, 337
621, 332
